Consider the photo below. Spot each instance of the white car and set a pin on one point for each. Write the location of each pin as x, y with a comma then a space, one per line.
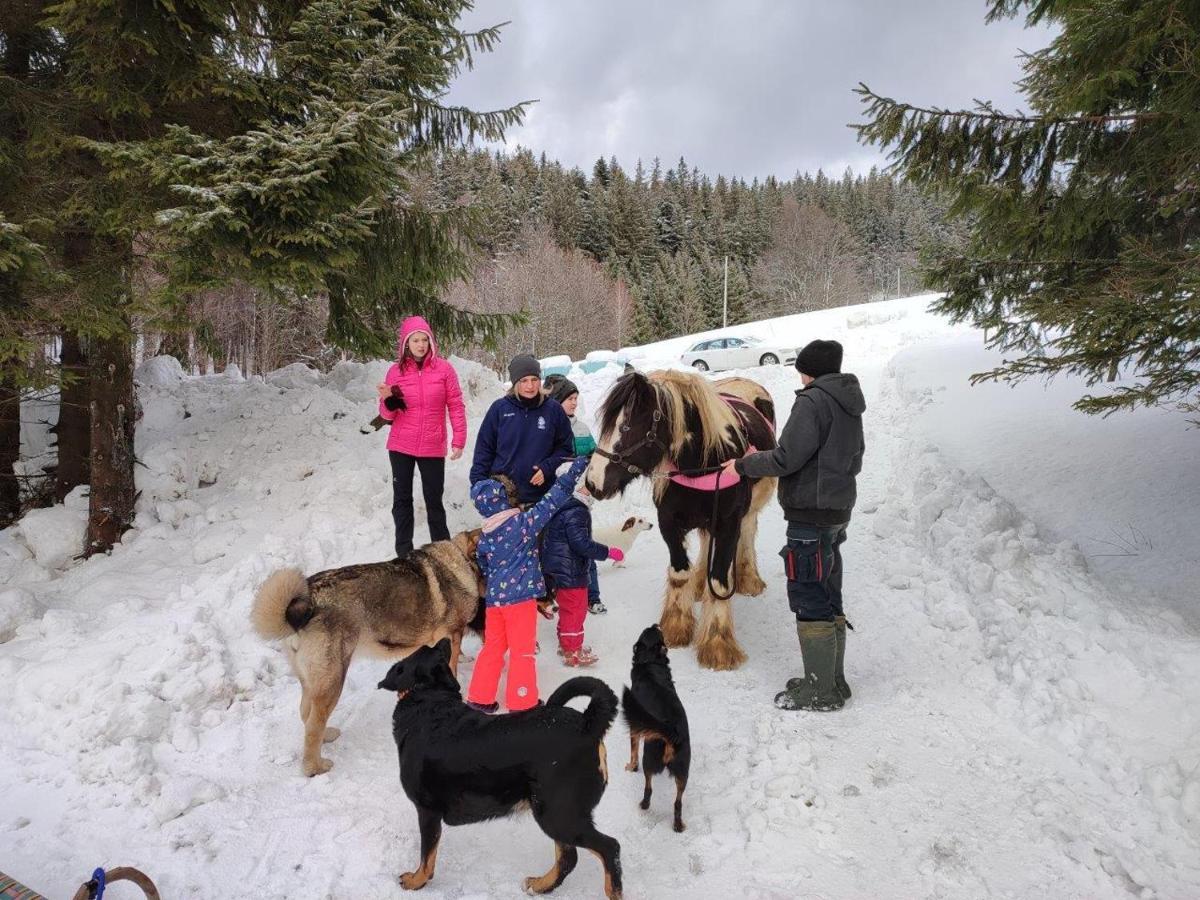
717, 354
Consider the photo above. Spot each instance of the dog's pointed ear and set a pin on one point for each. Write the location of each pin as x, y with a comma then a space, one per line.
443, 647
391, 681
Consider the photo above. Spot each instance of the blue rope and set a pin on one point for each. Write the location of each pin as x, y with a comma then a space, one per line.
98, 880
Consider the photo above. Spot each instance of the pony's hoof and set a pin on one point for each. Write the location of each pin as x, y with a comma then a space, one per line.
631, 767
319, 767
722, 655
331, 735
750, 585
678, 627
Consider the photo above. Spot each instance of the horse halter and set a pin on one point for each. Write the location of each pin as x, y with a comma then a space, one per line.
650, 438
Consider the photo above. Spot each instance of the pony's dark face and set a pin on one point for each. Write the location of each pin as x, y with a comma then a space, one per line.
426, 669
650, 646
630, 432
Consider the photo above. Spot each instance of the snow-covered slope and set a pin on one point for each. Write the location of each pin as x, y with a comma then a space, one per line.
1024, 723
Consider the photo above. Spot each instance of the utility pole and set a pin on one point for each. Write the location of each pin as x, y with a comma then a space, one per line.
620, 324
725, 298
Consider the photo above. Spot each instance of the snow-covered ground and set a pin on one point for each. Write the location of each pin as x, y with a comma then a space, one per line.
1024, 723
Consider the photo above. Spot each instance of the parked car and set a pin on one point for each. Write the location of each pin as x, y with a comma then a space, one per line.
716, 354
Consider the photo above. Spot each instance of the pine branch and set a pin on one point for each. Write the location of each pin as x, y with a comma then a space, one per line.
984, 112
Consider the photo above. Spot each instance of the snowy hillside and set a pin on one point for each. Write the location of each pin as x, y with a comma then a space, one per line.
1026, 710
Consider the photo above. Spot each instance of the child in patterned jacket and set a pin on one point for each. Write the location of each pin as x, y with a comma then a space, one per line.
508, 556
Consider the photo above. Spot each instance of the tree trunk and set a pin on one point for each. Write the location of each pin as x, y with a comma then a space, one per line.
74, 419
112, 406
176, 345
10, 450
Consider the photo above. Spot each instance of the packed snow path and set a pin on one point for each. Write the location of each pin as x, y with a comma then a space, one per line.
1018, 728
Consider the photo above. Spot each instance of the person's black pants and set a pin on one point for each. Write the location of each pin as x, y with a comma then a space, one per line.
433, 480
813, 563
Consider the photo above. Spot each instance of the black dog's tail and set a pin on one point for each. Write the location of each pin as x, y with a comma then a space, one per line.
641, 720
600, 712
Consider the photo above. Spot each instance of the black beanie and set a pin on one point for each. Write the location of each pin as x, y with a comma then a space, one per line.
563, 389
819, 358
523, 365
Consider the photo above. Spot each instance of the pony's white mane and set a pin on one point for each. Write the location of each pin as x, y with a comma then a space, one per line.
718, 422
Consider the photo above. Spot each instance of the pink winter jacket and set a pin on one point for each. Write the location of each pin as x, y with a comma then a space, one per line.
430, 391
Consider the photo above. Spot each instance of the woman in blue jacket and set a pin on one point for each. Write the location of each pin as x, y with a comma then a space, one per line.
524, 435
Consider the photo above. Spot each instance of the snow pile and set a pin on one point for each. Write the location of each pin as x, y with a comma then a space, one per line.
56, 535
159, 370
1122, 488
611, 356
17, 606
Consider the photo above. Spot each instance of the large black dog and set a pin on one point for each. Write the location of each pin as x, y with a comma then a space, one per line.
459, 766
656, 717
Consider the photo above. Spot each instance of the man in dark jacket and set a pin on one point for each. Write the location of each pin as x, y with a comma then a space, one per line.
819, 454
524, 435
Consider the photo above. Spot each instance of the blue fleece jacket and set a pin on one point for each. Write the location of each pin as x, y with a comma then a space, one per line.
568, 546
516, 439
508, 548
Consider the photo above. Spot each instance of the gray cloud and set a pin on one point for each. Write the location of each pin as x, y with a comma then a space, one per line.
752, 87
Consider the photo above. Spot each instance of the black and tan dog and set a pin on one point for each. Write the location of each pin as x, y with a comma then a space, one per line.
459, 766
657, 718
386, 610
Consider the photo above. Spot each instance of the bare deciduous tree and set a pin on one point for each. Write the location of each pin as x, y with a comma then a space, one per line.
813, 262
256, 332
572, 304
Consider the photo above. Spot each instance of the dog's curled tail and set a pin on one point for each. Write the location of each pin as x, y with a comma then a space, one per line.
282, 605
600, 712
641, 720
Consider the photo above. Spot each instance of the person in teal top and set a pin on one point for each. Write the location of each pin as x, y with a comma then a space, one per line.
567, 395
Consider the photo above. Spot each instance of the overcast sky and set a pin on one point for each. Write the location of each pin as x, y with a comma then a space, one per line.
737, 87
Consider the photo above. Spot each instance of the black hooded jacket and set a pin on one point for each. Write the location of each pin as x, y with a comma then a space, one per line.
820, 451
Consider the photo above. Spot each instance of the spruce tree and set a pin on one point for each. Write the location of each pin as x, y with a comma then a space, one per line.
275, 143
1084, 214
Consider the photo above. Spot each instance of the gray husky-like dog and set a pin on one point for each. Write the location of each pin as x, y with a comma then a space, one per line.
385, 609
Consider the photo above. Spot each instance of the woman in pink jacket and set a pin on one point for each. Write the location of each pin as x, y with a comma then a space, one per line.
420, 389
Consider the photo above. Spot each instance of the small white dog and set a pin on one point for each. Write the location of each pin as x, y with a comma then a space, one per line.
622, 535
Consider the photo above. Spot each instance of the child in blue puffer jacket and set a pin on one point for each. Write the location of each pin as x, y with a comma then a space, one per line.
569, 555
508, 556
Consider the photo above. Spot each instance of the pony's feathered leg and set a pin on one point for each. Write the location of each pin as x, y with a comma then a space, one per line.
716, 647
749, 582
698, 583
678, 622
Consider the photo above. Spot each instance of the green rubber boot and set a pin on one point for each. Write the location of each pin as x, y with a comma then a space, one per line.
817, 690
839, 671
839, 665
